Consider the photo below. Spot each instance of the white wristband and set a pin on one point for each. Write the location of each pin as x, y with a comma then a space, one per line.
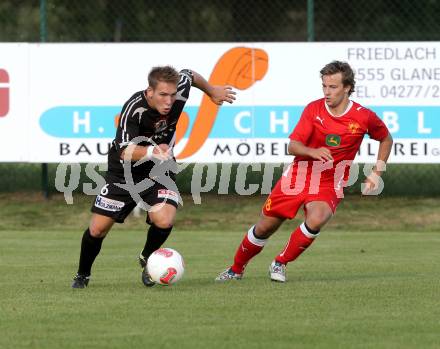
149, 153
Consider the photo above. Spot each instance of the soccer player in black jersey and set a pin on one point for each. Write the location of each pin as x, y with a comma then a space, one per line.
143, 144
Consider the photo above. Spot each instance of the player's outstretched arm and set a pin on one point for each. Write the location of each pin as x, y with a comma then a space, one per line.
218, 94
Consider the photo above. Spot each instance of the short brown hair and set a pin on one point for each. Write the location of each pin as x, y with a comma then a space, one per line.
343, 68
166, 74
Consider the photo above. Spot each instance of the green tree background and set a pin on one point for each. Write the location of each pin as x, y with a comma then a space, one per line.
219, 21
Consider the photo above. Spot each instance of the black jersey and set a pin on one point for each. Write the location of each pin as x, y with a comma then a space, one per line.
137, 118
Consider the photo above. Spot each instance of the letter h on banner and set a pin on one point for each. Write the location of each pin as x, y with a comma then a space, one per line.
4, 92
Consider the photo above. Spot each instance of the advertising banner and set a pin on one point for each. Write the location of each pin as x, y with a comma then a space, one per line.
14, 102
61, 102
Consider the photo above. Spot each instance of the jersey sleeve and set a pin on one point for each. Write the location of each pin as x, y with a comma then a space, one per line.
376, 127
128, 127
303, 128
183, 88
186, 74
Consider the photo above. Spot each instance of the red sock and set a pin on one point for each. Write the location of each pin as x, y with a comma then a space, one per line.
298, 242
249, 247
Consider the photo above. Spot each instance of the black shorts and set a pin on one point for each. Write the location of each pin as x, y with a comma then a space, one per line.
117, 202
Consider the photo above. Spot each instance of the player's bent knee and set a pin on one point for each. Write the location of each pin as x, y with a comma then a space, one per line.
164, 218
163, 222
263, 232
100, 225
97, 232
317, 220
314, 224
264, 229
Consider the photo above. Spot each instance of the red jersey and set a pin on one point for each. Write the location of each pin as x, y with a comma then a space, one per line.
342, 135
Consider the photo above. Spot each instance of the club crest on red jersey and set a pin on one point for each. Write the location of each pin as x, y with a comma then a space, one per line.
353, 127
333, 140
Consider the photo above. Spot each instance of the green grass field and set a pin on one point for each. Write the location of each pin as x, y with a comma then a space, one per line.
370, 281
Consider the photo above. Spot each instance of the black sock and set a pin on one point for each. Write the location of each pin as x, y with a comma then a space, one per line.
90, 247
155, 238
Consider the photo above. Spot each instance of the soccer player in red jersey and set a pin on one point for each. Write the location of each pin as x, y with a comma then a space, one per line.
324, 143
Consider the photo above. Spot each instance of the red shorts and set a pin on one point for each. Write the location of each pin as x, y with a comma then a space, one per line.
286, 205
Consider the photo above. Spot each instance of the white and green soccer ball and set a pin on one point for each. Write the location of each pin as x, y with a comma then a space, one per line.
165, 266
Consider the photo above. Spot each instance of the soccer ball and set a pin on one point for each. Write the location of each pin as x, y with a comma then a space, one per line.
165, 266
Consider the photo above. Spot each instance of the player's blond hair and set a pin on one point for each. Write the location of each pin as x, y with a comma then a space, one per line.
163, 73
343, 68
